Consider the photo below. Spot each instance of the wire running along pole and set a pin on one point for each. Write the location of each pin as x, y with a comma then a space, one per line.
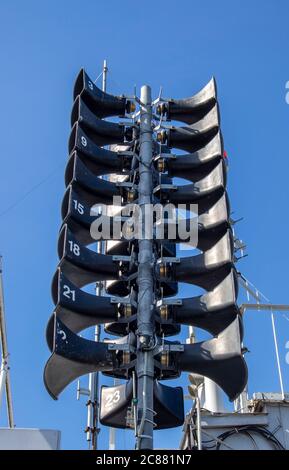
145, 316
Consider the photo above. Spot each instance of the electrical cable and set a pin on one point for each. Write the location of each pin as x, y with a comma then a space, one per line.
36, 186
252, 439
250, 429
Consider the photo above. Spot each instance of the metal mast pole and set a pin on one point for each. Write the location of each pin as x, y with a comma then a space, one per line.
4, 370
145, 320
111, 445
93, 403
104, 75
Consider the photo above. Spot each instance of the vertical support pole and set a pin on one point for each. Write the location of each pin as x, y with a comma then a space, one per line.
111, 445
199, 423
4, 374
104, 75
93, 403
213, 396
145, 318
112, 431
277, 355
241, 402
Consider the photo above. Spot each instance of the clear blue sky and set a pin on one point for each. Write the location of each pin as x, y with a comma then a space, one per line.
178, 45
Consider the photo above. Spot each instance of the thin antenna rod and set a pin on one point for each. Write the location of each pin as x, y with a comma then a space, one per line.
255, 293
277, 355
4, 372
104, 75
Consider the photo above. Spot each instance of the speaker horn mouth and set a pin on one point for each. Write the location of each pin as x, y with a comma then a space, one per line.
72, 142
62, 242
75, 111
79, 83
69, 170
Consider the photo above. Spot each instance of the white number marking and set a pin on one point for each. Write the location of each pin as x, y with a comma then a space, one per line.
69, 293
112, 399
74, 248
83, 141
79, 207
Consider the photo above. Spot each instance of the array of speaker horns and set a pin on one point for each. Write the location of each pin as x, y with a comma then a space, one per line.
212, 269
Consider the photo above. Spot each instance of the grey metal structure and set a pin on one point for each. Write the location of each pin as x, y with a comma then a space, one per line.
142, 271
264, 426
259, 423
29, 439
145, 317
257, 295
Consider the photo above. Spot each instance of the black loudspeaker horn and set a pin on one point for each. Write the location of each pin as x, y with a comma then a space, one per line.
185, 231
192, 109
78, 309
102, 104
122, 248
212, 311
125, 324
128, 322
210, 225
121, 288
168, 406
99, 160
72, 357
205, 270
213, 222
99, 131
83, 266
128, 339
215, 215
127, 360
204, 193
193, 166
193, 138
122, 326
118, 288
192, 269
85, 221
76, 214
80, 177
219, 358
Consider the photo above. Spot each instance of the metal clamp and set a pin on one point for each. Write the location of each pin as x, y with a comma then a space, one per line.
127, 259
127, 153
170, 348
125, 347
121, 300
124, 184
169, 302
167, 156
168, 259
169, 187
